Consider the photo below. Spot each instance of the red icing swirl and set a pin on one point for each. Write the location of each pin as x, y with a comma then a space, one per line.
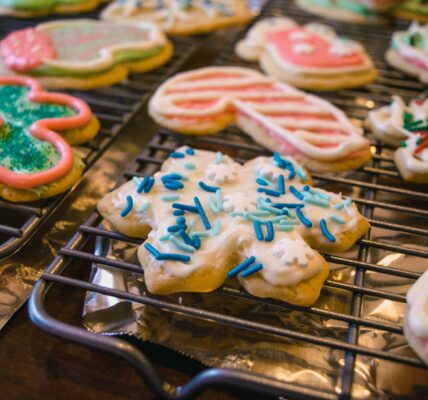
45, 129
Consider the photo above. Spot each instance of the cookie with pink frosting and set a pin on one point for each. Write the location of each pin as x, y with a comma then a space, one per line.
274, 114
409, 51
416, 317
310, 56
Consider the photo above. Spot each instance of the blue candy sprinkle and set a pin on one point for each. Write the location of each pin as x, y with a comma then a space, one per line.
176, 154
207, 188
269, 192
258, 230
173, 184
338, 219
285, 228
202, 214
296, 193
301, 173
165, 256
144, 207
288, 205
306, 188
176, 228
218, 158
281, 184
178, 212
348, 202
279, 160
212, 206
173, 176
219, 203
151, 249
128, 207
182, 246
302, 218
172, 197
216, 228
165, 237
270, 232
339, 206
325, 231
186, 238
181, 221
201, 234
143, 183
185, 207
190, 166
252, 270
317, 201
240, 267
149, 185
196, 243
261, 182
190, 151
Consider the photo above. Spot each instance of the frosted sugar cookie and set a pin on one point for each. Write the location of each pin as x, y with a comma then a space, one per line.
84, 54
357, 11
209, 218
311, 56
180, 17
35, 8
36, 127
416, 317
276, 115
409, 51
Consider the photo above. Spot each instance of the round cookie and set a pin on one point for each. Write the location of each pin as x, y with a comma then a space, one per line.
36, 161
181, 17
276, 115
412, 158
211, 219
308, 57
84, 54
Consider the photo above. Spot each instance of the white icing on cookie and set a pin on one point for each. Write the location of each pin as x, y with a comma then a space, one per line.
417, 300
411, 162
234, 212
299, 122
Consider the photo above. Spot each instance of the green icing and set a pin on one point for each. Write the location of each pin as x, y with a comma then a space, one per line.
119, 57
416, 6
35, 5
19, 151
345, 5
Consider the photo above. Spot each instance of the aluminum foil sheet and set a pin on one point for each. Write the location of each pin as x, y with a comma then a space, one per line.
293, 361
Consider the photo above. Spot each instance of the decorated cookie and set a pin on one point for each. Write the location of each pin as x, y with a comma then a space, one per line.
181, 17
209, 218
83, 53
276, 115
413, 10
36, 160
412, 157
359, 11
309, 57
409, 51
416, 317
34, 8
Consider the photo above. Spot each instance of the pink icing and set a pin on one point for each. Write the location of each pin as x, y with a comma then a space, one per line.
45, 129
26, 49
418, 63
320, 56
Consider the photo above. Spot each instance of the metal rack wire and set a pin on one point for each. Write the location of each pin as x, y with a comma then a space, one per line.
114, 107
397, 212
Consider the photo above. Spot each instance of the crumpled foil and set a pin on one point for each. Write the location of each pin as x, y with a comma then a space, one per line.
289, 360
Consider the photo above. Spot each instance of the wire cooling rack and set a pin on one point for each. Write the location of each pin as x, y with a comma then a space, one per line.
114, 107
396, 210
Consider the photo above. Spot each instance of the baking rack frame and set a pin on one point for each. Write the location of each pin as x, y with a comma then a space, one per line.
114, 107
379, 177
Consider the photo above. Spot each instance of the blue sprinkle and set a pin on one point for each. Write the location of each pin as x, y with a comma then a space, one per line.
190, 151
212, 206
176, 154
288, 205
173, 176
176, 228
285, 228
165, 237
260, 213
252, 270
143, 183
292, 173
219, 203
182, 246
339, 206
144, 207
202, 213
173, 184
172, 197
186, 238
190, 166
281, 184
207, 188
279, 160
326, 232
324, 196
269, 192
302, 218
201, 234
173, 257
301, 173
240, 267
261, 182
270, 232
338, 219
149, 185
306, 188
271, 209
218, 157
128, 207
348, 202
258, 230
216, 228
317, 202
178, 212
151, 250
196, 242
185, 207
296, 192
288, 222
181, 221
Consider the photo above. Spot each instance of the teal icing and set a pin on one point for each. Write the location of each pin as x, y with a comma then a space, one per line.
19, 150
